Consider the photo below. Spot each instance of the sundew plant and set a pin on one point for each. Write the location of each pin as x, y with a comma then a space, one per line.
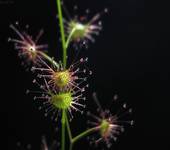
62, 85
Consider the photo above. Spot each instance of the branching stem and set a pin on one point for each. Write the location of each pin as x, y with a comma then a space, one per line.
69, 37
64, 121
82, 135
52, 61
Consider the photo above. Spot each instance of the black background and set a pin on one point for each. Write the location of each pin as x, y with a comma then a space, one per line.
130, 58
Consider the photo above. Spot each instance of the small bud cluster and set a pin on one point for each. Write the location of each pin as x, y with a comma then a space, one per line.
63, 88
81, 30
109, 125
27, 48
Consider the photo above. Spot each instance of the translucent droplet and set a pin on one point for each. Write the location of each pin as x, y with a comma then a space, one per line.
29, 146
132, 122
90, 72
124, 105
9, 39
106, 10
100, 23
115, 97
87, 11
75, 7
27, 26
130, 110
88, 113
27, 91
34, 81
18, 144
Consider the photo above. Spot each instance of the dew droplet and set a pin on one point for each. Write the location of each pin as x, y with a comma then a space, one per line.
18, 144
27, 26
9, 39
29, 146
132, 122
90, 72
100, 23
27, 91
106, 10
115, 97
130, 110
34, 81
124, 105
87, 11
75, 7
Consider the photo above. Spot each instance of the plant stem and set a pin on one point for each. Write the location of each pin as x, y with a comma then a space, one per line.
71, 146
62, 33
78, 137
63, 122
83, 134
68, 128
69, 37
52, 61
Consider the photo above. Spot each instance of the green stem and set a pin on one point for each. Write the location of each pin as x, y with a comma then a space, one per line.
71, 146
63, 122
69, 37
52, 61
68, 128
83, 134
62, 33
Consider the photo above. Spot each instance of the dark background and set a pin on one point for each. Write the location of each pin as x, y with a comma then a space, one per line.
130, 58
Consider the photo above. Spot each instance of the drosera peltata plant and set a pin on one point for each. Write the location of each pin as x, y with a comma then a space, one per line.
62, 85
